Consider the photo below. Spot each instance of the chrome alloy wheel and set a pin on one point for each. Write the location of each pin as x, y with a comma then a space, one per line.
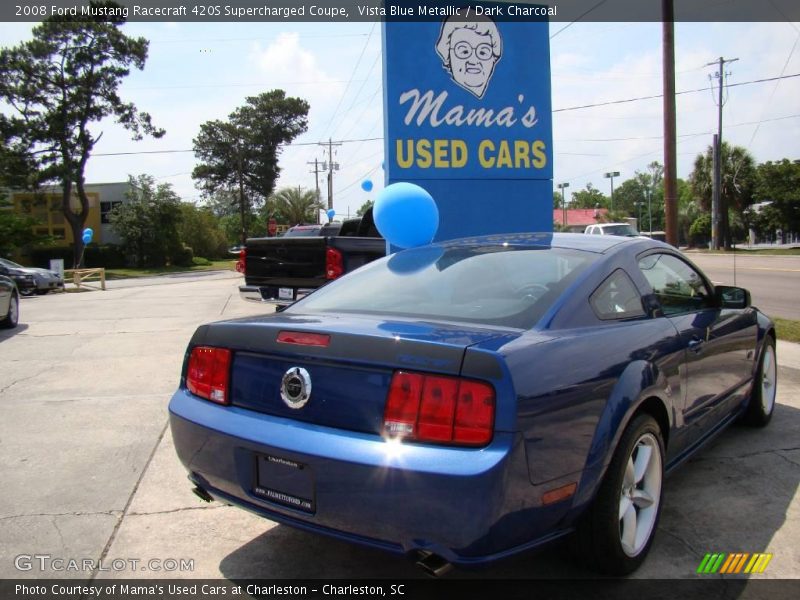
640, 495
769, 377
13, 310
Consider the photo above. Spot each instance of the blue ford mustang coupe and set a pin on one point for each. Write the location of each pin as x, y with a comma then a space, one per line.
468, 400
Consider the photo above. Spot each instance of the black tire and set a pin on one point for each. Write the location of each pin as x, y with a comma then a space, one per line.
12, 318
762, 395
28, 292
41, 292
598, 539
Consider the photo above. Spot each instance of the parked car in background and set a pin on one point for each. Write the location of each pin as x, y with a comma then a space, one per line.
44, 280
26, 284
9, 303
623, 229
467, 400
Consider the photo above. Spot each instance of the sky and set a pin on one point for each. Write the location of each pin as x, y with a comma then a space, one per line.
198, 72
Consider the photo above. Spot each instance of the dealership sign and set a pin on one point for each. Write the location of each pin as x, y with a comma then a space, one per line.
468, 117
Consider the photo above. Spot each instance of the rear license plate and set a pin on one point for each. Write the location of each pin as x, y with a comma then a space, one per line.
285, 482
286, 293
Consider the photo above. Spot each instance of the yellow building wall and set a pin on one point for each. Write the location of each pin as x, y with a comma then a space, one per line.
45, 208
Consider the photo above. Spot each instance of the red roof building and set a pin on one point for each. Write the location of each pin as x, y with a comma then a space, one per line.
577, 219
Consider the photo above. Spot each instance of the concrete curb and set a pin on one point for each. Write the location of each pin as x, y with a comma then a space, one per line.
788, 354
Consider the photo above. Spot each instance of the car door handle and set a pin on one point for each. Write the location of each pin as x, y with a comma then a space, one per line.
696, 345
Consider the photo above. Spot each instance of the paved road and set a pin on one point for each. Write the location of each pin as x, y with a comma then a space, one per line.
88, 468
773, 281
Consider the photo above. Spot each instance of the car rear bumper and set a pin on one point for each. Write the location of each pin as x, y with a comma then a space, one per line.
468, 506
271, 294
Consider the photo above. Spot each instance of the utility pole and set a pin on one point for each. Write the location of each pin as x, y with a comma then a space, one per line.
561, 186
332, 166
316, 173
670, 152
240, 177
611, 176
722, 210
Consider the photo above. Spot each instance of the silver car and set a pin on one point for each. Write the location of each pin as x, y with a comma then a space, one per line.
45, 279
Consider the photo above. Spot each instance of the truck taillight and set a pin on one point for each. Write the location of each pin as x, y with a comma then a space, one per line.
208, 374
438, 409
240, 264
334, 263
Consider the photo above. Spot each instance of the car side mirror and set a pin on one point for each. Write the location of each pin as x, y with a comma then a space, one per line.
731, 297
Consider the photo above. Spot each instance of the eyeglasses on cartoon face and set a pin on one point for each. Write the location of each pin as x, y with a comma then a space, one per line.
464, 50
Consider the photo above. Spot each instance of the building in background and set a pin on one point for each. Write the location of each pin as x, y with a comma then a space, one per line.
44, 206
575, 220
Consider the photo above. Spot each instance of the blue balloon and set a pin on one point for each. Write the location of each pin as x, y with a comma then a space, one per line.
87, 238
330, 213
366, 185
88, 230
406, 215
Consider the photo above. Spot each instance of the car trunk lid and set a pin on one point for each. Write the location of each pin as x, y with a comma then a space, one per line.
350, 376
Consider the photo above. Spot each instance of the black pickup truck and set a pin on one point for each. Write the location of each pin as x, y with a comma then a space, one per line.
284, 269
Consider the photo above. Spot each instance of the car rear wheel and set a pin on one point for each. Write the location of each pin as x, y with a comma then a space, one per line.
12, 318
617, 531
762, 397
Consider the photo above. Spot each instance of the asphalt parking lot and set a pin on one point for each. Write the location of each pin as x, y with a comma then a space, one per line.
89, 471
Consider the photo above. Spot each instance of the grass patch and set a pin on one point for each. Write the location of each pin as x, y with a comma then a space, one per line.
213, 265
787, 330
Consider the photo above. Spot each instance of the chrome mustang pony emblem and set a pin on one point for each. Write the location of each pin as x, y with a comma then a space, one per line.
296, 387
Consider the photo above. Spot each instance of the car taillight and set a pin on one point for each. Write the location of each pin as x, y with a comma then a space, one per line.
301, 338
445, 410
209, 373
334, 263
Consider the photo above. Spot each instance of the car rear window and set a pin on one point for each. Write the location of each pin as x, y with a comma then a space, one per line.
498, 285
302, 232
626, 230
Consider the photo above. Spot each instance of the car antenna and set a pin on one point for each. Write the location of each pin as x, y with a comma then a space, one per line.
734, 261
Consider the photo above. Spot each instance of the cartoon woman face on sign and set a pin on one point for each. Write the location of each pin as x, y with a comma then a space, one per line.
469, 51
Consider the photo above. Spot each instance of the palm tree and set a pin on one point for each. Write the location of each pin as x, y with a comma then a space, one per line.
738, 179
296, 205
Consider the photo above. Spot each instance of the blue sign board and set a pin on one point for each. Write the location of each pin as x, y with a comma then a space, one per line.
468, 117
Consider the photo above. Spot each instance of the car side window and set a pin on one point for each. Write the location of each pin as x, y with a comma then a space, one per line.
617, 298
678, 287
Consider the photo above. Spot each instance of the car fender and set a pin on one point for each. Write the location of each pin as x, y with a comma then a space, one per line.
640, 381
765, 327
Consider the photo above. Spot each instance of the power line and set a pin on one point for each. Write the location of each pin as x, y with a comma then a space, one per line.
233, 85
571, 108
775, 89
570, 24
192, 150
661, 137
352, 75
254, 39
626, 100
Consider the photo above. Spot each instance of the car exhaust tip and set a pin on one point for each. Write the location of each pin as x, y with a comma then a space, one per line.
202, 494
433, 564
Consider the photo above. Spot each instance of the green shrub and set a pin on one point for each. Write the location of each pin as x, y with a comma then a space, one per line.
109, 256
700, 231
199, 261
183, 257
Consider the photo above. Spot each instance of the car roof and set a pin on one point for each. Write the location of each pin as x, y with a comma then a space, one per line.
574, 241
